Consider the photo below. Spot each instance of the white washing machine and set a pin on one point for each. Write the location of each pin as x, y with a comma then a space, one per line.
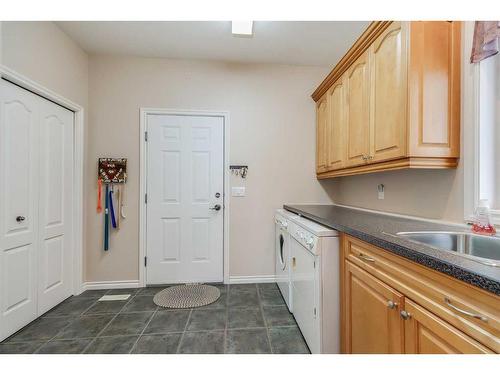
282, 245
314, 251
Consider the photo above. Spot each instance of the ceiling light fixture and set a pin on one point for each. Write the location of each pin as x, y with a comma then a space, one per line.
242, 28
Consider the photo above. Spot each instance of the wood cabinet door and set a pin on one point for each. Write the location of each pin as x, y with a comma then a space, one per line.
425, 333
370, 324
358, 111
434, 85
388, 67
321, 134
336, 128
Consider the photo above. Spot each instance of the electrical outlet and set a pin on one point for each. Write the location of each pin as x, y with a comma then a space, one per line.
381, 191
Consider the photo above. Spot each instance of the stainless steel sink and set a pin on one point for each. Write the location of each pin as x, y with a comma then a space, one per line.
480, 248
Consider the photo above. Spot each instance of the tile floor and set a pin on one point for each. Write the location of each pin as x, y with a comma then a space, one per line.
247, 318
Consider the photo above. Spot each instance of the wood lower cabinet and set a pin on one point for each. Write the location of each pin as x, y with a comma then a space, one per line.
372, 320
392, 305
401, 105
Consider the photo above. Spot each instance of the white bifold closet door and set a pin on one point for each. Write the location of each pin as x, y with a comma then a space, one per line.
36, 189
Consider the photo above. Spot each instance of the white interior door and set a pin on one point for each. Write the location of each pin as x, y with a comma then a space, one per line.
55, 205
185, 180
36, 188
19, 132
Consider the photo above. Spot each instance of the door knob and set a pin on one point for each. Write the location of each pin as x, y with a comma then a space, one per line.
217, 207
20, 219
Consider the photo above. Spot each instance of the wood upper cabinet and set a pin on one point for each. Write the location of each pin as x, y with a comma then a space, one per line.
371, 325
336, 125
388, 94
402, 99
358, 111
321, 135
427, 334
434, 89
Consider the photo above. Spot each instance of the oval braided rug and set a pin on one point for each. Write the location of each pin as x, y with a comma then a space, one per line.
187, 296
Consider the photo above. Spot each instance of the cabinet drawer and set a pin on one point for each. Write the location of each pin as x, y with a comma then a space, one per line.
425, 333
470, 309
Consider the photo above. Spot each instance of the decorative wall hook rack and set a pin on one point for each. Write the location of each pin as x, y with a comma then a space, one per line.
239, 170
112, 170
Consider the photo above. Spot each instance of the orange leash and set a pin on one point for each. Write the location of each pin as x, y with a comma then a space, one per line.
99, 195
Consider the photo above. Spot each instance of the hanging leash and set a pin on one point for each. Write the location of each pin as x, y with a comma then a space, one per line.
122, 197
99, 195
111, 207
106, 220
118, 205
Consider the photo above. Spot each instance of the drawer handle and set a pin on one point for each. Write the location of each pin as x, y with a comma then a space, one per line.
465, 312
366, 258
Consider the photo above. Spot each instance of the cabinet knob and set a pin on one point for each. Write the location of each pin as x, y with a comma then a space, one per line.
20, 219
405, 315
392, 305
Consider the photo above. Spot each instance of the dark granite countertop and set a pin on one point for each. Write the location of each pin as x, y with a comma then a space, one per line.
376, 229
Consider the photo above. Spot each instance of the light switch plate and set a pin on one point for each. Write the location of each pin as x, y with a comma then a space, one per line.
238, 191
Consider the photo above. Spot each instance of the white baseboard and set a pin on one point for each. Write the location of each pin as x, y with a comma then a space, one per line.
94, 285
252, 279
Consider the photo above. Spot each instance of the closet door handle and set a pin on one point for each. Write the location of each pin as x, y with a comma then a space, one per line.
20, 219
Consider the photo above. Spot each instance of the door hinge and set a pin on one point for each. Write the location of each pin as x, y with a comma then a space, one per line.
145, 261
145, 136
146, 198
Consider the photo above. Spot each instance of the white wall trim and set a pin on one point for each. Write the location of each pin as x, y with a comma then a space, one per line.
471, 127
96, 285
143, 183
470, 124
79, 134
252, 279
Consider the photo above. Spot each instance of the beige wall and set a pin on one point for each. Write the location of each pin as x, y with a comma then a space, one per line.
46, 55
271, 129
430, 194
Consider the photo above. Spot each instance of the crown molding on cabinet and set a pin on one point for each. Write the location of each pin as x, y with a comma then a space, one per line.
359, 47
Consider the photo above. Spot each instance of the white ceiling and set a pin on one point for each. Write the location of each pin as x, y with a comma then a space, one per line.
282, 42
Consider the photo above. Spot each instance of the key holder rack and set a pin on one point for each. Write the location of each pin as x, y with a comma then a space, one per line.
239, 170
112, 170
